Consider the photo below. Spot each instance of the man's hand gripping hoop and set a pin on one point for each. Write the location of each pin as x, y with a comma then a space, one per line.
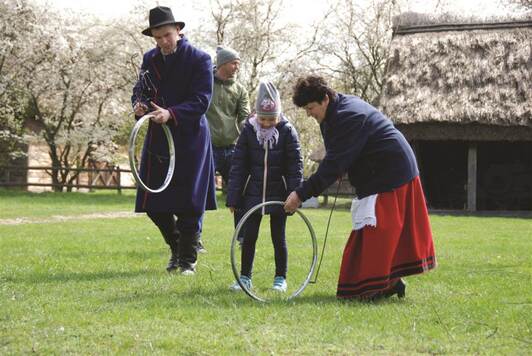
171, 149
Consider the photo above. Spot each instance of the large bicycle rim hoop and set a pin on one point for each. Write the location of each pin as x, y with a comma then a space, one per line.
234, 247
131, 151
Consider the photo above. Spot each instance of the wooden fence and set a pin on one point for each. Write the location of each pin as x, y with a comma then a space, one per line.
111, 178
87, 178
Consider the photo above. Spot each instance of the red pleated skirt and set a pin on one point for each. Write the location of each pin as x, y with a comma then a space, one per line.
400, 245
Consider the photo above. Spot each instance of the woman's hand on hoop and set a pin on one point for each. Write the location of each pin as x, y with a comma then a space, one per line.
292, 203
160, 115
140, 108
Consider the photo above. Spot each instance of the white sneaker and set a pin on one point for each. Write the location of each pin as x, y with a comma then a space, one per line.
200, 248
188, 270
279, 284
246, 281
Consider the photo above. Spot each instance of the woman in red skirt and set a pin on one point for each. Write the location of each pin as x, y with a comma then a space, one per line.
391, 236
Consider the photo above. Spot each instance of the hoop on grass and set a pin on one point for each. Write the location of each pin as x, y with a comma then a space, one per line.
171, 149
234, 243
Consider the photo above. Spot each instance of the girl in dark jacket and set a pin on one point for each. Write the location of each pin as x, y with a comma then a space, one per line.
266, 166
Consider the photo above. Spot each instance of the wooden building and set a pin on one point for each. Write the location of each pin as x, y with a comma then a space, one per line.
462, 95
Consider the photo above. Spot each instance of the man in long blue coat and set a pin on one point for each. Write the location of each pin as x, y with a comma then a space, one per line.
175, 85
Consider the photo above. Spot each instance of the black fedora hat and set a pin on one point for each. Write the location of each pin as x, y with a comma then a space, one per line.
160, 16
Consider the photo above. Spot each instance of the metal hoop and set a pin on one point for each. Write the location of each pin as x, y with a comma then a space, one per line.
234, 243
171, 150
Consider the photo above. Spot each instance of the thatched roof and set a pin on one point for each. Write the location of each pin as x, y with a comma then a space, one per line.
475, 73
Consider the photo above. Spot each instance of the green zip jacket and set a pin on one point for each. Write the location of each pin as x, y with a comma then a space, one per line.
227, 112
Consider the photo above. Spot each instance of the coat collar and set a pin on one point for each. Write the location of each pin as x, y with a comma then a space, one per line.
330, 113
221, 81
163, 65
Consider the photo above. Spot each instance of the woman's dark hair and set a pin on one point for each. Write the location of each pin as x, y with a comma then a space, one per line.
311, 88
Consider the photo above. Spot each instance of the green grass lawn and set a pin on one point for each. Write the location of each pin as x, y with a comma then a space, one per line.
14, 204
99, 287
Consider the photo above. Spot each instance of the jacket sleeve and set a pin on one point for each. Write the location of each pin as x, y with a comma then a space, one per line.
242, 107
346, 140
238, 172
294, 162
199, 93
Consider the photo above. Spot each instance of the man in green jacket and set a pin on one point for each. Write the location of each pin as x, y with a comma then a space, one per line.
228, 110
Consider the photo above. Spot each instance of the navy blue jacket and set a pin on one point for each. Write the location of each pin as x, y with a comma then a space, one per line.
283, 174
363, 142
183, 85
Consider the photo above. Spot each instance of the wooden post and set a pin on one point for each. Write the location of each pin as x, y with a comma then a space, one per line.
90, 173
118, 179
472, 177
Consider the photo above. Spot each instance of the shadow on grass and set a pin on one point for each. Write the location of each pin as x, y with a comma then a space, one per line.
330, 298
522, 214
223, 297
211, 296
129, 257
53, 277
196, 296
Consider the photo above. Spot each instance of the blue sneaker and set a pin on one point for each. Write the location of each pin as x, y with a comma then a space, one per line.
246, 281
279, 284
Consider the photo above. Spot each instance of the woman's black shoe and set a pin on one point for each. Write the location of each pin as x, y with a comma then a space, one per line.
399, 288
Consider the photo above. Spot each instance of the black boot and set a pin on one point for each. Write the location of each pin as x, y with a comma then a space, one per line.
173, 241
173, 262
188, 254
